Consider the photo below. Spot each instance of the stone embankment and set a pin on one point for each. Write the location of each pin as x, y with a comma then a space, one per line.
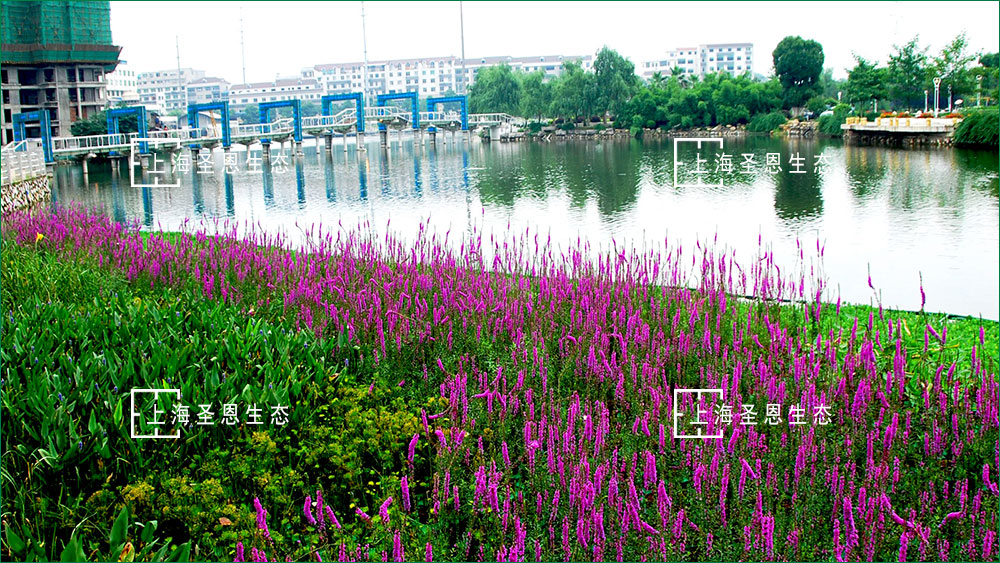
551, 133
25, 194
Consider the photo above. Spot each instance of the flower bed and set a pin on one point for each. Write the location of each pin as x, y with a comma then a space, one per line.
518, 411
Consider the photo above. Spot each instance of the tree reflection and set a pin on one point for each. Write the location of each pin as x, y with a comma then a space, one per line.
797, 192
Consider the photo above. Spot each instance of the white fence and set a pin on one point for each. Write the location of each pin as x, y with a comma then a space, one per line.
22, 160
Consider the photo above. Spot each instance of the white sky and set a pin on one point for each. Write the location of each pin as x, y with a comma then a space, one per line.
284, 37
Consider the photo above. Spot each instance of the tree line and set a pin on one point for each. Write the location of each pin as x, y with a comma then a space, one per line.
799, 84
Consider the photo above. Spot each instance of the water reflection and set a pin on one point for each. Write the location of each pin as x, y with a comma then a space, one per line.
797, 193
331, 180
930, 211
300, 182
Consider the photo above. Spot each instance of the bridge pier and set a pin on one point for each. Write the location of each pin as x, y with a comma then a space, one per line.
86, 168
383, 136
328, 140
433, 135
265, 151
298, 148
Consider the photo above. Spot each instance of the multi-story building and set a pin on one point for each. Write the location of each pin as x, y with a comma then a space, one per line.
207, 90
304, 89
431, 76
165, 90
122, 84
54, 57
733, 58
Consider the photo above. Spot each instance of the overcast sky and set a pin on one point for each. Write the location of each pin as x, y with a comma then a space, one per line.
281, 38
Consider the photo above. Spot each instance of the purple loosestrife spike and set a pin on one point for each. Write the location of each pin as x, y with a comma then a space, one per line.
383, 510
429, 553
319, 508
307, 510
261, 518
405, 486
412, 448
239, 553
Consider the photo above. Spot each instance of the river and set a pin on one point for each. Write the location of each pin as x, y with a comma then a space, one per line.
897, 213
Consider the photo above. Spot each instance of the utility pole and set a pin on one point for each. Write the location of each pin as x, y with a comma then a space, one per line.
461, 27
181, 90
364, 44
243, 52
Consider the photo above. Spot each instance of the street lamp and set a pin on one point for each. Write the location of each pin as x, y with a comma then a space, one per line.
979, 89
937, 93
949, 98
925, 101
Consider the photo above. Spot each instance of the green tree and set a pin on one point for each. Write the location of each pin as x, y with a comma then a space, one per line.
906, 75
987, 68
536, 95
250, 114
952, 66
496, 90
97, 124
865, 82
798, 63
657, 80
574, 94
615, 79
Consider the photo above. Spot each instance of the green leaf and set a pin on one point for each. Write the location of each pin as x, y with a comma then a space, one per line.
73, 552
15, 542
147, 531
181, 553
92, 423
120, 529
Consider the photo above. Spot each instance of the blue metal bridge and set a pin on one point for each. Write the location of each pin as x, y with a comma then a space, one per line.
224, 133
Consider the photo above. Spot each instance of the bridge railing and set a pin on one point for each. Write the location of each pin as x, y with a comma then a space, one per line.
483, 118
440, 116
184, 134
21, 160
386, 112
279, 127
330, 120
91, 142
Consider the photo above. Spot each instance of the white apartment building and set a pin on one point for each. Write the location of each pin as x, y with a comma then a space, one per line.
166, 82
207, 90
122, 84
733, 58
432, 76
304, 89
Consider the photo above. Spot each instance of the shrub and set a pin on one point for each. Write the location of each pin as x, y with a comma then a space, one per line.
979, 128
830, 124
765, 123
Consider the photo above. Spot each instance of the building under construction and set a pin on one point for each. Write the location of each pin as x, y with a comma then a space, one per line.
53, 57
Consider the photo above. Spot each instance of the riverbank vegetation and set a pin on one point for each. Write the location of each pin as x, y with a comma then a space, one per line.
477, 400
799, 85
979, 128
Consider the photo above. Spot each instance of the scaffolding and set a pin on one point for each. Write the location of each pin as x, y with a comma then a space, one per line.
50, 32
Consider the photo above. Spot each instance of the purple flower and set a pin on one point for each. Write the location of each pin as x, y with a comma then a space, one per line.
307, 510
261, 518
412, 448
332, 517
405, 486
383, 510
